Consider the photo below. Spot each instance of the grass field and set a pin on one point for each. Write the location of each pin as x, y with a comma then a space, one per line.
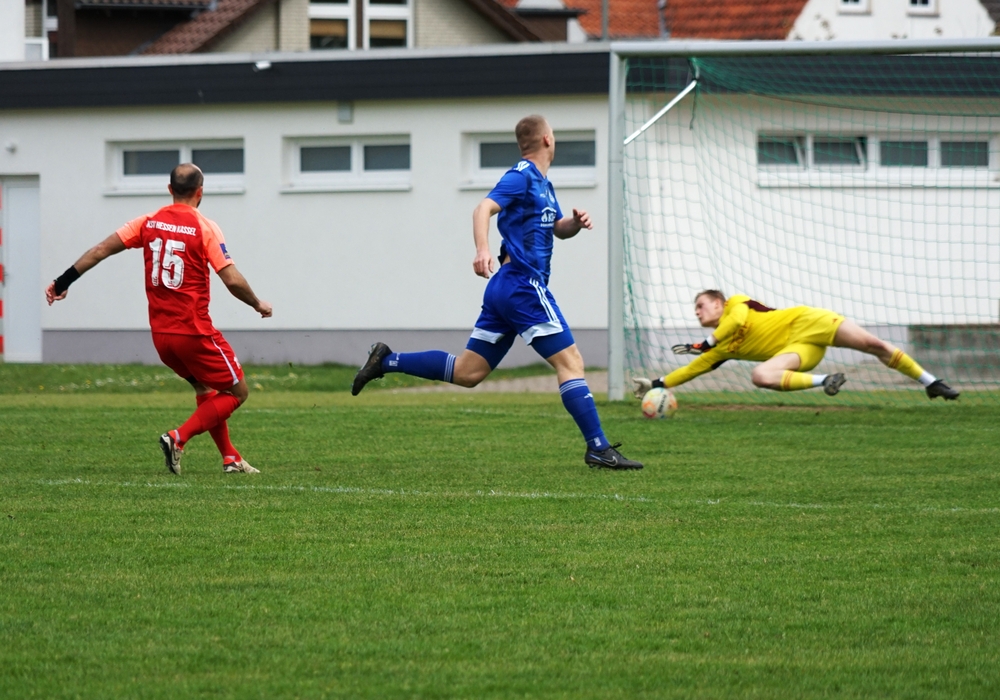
455, 545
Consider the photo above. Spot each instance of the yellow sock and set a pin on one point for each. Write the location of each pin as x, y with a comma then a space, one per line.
901, 362
796, 381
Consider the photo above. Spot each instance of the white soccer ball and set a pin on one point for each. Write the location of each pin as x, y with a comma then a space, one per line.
659, 403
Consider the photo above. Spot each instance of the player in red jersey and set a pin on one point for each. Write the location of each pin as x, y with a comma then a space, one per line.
178, 245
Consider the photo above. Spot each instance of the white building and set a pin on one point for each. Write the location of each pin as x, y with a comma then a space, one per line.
344, 184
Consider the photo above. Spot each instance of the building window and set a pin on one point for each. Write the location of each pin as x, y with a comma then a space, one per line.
922, 7
142, 168
385, 23
387, 157
854, 7
389, 24
149, 161
345, 164
840, 151
892, 160
965, 154
325, 159
489, 156
331, 24
903, 154
781, 150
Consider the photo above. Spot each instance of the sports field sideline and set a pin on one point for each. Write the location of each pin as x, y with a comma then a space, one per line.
455, 545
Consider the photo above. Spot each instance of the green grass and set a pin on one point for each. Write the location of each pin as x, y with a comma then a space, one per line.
144, 379
454, 545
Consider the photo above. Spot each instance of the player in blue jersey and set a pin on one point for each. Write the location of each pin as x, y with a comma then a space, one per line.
517, 300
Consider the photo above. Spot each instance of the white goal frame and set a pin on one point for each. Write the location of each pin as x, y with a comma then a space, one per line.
621, 51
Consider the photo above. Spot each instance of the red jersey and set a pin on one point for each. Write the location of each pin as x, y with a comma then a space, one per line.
178, 244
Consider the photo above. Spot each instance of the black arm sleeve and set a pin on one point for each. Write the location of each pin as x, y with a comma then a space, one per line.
64, 280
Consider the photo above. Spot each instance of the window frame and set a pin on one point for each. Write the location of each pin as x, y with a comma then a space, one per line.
120, 184
475, 177
397, 12
357, 179
346, 11
929, 10
875, 174
861, 7
801, 151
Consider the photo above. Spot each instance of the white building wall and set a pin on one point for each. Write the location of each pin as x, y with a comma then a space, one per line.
825, 20
344, 260
12, 30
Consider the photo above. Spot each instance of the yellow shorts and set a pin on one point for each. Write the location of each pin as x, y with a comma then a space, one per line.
812, 333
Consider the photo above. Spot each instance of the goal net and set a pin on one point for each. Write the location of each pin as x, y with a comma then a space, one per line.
862, 182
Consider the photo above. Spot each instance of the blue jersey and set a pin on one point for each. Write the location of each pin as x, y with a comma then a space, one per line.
528, 213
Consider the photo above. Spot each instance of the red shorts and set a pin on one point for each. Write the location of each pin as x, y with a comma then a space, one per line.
205, 358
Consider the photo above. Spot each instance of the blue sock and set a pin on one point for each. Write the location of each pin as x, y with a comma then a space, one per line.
578, 400
433, 364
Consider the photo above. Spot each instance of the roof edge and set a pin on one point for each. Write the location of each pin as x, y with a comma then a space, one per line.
504, 20
277, 57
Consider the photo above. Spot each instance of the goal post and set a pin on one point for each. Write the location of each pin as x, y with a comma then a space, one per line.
861, 177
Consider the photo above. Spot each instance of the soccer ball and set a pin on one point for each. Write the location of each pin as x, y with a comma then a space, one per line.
659, 403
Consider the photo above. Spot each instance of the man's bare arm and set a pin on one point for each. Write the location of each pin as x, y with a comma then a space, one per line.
569, 226
484, 211
111, 245
238, 286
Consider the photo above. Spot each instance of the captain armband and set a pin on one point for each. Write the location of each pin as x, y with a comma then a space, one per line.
63, 281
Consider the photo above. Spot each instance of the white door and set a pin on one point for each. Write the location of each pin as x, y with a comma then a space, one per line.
23, 296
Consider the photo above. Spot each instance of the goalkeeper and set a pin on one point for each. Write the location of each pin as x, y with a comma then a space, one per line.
787, 342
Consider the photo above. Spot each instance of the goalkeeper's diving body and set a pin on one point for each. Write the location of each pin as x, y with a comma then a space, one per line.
788, 343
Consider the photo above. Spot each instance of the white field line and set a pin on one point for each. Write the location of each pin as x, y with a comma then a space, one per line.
491, 493
529, 495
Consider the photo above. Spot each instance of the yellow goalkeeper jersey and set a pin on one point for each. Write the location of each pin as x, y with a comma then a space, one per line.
748, 330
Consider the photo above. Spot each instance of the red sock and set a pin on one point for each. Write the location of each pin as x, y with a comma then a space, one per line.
220, 433
211, 412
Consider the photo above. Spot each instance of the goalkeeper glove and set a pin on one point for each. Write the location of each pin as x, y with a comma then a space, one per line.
642, 385
691, 348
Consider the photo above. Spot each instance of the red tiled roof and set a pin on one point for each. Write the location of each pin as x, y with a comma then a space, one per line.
628, 19
195, 35
732, 19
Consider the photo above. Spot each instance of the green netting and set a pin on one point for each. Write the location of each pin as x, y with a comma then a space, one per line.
869, 185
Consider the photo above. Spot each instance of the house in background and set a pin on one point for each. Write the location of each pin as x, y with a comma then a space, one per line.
825, 20
156, 27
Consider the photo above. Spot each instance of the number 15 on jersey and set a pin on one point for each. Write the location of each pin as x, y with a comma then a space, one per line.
171, 268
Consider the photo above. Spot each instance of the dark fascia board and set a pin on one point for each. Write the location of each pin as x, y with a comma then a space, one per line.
269, 78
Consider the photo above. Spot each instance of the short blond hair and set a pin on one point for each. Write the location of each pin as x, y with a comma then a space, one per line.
529, 132
711, 294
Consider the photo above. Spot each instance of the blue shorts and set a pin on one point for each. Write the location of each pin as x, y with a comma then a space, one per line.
515, 304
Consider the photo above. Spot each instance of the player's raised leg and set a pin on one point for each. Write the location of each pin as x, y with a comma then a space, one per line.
579, 402
851, 335
429, 364
482, 354
781, 372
